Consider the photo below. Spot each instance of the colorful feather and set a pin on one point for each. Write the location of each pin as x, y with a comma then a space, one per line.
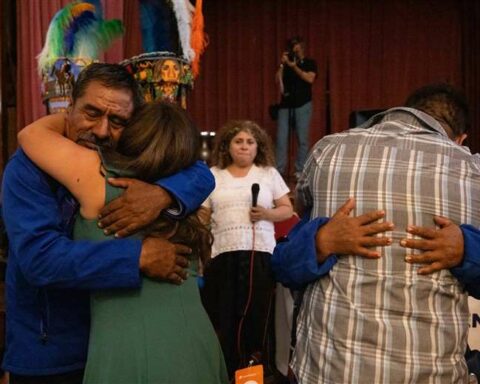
97, 38
157, 22
83, 21
184, 20
199, 39
77, 30
79, 8
98, 7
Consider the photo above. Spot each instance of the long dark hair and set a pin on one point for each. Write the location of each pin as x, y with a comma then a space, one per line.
160, 141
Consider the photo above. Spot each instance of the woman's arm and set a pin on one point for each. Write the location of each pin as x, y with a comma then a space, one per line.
283, 210
72, 165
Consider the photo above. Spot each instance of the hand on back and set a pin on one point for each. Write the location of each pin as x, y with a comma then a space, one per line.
346, 235
137, 207
440, 248
164, 260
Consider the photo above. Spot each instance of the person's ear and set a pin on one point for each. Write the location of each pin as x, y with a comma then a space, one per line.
460, 139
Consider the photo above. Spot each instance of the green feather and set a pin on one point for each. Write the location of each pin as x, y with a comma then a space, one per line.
53, 47
89, 40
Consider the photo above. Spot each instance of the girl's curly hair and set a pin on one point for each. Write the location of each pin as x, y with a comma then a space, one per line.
221, 154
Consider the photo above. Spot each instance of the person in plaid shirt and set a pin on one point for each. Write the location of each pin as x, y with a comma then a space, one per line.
389, 317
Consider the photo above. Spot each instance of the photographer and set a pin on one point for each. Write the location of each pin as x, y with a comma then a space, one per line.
294, 77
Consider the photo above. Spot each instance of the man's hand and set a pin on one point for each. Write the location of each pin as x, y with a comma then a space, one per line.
286, 60
138, 206
442, 248
352, 235
164, 260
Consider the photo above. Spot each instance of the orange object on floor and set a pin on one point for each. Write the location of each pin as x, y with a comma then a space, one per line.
249, 375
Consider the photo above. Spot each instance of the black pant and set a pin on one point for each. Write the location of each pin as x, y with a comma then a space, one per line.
75, 377
225, 295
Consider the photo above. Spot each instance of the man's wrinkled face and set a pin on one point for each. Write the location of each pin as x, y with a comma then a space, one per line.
99, 116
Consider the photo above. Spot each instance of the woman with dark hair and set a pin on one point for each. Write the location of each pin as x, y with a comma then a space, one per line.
238, 280
160, 333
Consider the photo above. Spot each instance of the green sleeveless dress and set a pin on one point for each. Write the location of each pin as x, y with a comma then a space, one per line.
158, 334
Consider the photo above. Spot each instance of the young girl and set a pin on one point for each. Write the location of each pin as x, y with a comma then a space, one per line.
239, 282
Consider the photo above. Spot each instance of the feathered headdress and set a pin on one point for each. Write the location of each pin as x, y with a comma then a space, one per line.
78, 30
173, 41
173, 26
76, 36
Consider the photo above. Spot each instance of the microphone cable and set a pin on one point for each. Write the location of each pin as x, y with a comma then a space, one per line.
249, 299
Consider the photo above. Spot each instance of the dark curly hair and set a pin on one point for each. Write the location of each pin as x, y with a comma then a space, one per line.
221, 154
445, 104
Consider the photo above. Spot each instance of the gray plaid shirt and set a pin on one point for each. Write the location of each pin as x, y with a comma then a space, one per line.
378, 321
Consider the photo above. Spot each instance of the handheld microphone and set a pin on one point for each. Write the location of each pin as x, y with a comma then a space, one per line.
255, 191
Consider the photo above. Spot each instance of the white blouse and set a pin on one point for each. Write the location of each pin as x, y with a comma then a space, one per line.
230, 203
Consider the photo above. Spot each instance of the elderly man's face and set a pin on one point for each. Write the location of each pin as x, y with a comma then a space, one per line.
99, 116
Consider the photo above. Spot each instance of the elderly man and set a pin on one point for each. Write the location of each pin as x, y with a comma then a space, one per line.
49, 275
387, 318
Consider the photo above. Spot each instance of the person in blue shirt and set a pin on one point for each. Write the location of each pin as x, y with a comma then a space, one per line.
49, 276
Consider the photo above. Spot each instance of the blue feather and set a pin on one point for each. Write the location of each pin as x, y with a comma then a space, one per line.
158, 26
82, 22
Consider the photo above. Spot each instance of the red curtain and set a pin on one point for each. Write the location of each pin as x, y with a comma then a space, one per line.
247, 38
370, 54
380, 51
471, 67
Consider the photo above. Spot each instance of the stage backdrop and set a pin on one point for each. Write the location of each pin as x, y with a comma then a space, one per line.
370, 54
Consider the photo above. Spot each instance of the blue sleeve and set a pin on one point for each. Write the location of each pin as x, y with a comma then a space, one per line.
294, 261
40, 247
468, 272
190, 187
